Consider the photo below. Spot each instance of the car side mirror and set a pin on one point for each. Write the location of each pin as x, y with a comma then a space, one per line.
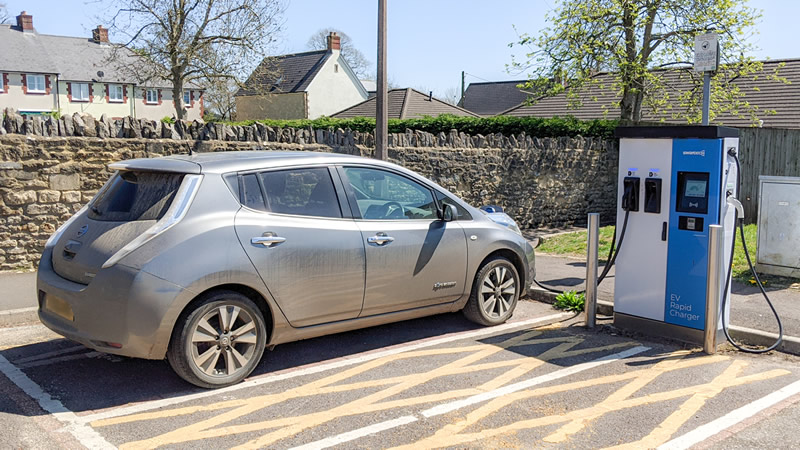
448, 213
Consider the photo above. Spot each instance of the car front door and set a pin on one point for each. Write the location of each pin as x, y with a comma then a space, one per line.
413, 258
309, 254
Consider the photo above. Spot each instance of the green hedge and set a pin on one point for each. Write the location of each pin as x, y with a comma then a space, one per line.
507, 125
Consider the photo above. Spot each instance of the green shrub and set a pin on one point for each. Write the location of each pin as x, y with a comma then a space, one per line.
168, 119
570, 301
507, 125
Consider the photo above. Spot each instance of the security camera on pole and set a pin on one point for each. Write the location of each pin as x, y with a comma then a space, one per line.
706, 60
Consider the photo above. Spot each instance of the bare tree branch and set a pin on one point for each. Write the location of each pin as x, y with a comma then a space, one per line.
211, 43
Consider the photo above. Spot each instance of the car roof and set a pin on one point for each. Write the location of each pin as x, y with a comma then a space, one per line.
224, 162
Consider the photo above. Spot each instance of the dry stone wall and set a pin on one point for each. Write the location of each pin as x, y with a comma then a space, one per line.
540, 181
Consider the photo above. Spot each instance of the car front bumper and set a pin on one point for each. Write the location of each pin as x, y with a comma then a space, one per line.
122, 311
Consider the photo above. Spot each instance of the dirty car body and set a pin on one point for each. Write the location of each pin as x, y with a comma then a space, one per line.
207, 259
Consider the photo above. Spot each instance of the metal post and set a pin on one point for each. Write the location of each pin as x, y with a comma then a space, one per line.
706, 96
716, 247
461, 101
592, 238
382, 106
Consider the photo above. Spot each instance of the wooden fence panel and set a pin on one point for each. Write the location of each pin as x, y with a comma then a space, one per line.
765, 151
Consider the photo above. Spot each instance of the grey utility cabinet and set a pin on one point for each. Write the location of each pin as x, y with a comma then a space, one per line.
779, 225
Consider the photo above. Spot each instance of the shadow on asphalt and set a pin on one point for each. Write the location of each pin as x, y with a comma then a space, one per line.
107, 381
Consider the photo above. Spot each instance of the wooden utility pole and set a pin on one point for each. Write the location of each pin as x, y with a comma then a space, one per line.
382, 108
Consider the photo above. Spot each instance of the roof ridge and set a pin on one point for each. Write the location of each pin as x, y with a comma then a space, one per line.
299, 53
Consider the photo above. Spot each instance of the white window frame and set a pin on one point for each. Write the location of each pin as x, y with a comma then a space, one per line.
1, 82
76, 90
33, 76
154, 100
187, 102
116, 89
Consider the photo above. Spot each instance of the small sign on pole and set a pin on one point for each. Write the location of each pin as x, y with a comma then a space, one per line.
706, 52
706, 60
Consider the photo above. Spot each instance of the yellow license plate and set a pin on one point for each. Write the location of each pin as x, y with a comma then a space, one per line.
59, 307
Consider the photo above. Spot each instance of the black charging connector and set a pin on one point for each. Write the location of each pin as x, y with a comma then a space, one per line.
630, 196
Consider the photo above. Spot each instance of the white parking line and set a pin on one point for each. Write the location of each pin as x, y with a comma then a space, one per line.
84, 434
44, 355
717, 426
319, 367
356, 434
45, 362
452, 406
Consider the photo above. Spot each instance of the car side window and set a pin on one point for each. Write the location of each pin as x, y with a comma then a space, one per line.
461, 213
251, 194
383, 195
302, 192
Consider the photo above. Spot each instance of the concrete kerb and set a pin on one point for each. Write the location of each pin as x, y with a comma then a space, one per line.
744, 335
16, 317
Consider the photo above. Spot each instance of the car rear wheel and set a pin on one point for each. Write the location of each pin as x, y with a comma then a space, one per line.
219, 341
495, 292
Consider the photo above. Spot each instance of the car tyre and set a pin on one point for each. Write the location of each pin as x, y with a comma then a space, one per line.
219, 341
495, 292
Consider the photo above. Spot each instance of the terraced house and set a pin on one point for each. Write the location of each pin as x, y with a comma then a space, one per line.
44, 74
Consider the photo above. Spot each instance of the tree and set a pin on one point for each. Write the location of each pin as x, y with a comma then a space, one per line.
631, 39
451, 95
205, 42
355, 59
4, 17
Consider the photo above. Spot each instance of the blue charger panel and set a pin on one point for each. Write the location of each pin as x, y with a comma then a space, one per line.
695, 196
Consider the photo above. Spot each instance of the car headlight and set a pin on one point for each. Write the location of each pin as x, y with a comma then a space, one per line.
505, 220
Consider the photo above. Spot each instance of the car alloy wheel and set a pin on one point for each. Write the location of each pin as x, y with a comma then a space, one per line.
498, 291
224, 341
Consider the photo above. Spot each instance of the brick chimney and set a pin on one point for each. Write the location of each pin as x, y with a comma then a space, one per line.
100, 34
334, 41
25, 21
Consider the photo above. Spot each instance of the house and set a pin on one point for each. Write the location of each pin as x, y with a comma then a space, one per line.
405, 104
43, 74
778, 101
300, 86
493, 97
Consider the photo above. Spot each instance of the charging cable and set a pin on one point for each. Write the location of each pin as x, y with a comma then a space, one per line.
613, 251
752, 269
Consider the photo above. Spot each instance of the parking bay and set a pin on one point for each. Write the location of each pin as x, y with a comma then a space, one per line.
433, 382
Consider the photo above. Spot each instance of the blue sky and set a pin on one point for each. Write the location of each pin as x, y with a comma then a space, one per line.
430, 41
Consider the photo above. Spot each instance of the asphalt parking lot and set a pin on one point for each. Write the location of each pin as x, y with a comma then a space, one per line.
539, 381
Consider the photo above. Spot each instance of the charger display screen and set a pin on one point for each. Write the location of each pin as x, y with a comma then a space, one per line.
696, 188
692, 192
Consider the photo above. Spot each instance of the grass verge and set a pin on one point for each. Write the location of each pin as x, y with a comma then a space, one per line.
574, 244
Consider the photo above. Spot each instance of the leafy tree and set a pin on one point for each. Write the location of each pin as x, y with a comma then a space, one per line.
632, 40
194, 41
355, 59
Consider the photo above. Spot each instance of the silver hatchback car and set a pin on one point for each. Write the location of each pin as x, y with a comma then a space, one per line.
208, 259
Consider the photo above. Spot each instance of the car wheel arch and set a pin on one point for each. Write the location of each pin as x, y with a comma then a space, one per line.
510, 255
247, 291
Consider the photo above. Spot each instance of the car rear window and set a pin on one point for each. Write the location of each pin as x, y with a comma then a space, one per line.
304, 192
135, 195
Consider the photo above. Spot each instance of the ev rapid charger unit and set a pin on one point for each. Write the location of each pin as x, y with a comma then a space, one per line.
674, 182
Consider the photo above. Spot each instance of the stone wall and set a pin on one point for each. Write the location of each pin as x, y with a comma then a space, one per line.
540, 182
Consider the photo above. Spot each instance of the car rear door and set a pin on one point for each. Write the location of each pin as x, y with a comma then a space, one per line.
309, 254
413, 258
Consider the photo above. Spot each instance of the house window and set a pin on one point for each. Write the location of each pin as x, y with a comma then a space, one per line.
35, 83
80, 92
115, 93
187, 98
152, 96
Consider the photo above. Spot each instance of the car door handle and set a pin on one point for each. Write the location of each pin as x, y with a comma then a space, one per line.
267, 241
380, 239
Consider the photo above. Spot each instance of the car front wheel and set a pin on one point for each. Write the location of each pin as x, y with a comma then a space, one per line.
495, 292
219, 341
